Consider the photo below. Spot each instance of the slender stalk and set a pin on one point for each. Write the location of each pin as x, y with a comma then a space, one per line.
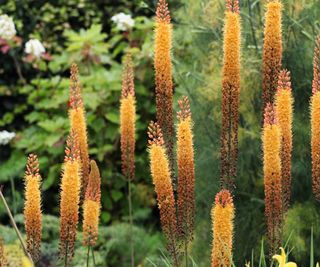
186, 251
130, 221
88, 256
93, 258
66, 256
15, 226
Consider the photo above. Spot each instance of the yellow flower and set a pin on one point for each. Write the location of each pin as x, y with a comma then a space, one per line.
247, 264
282, 260
26, 262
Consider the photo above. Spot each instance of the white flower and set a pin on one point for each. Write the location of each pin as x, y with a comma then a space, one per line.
6, 137
7, 28
124, 22
34, 47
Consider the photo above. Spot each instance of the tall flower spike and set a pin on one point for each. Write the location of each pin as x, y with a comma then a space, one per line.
186, 172
163, 77
272, 51
70, 198
222, 225
32, 207
271, 140
160, 172
230, 98
91, 207
315, 122
284, 111
127, 120
78, 122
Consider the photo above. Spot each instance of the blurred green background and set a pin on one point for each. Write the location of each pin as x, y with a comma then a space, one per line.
34, 95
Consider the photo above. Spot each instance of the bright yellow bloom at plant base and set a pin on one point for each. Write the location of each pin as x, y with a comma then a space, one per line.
282, 260
26, 262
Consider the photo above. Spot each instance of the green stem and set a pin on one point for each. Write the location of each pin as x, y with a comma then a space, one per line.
15, 226
66, 256
93, 259
88, 256
130, 221
186, 251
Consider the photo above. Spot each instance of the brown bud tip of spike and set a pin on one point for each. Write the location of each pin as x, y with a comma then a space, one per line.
155, 134
93, 189
184, 112
127, 77
316, 67
284, 82
32, 165
75, 94
162, 13
72, 149
269, 115
223, 198
233, 6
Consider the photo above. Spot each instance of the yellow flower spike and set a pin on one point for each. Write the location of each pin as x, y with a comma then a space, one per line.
78, 123
272, 51
271, 139
230, 95
284, 111
160, 172
127, 119
91, 207
247, 264
186, 173
317, 265
70, 198
282, 259
32, 207
163, 75
315, 125
222, 215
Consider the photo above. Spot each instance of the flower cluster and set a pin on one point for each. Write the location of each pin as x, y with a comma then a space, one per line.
6, 137
34, 47
123, 21
7, 28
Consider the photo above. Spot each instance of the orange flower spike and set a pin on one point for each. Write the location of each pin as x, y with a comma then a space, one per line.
271, 140
91, 207
163, 75
70, 198
186, 172
32, 207
222, 215
272, 51
230, 95
160, 172
284, 111
78, 123
315, 122
127, 120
